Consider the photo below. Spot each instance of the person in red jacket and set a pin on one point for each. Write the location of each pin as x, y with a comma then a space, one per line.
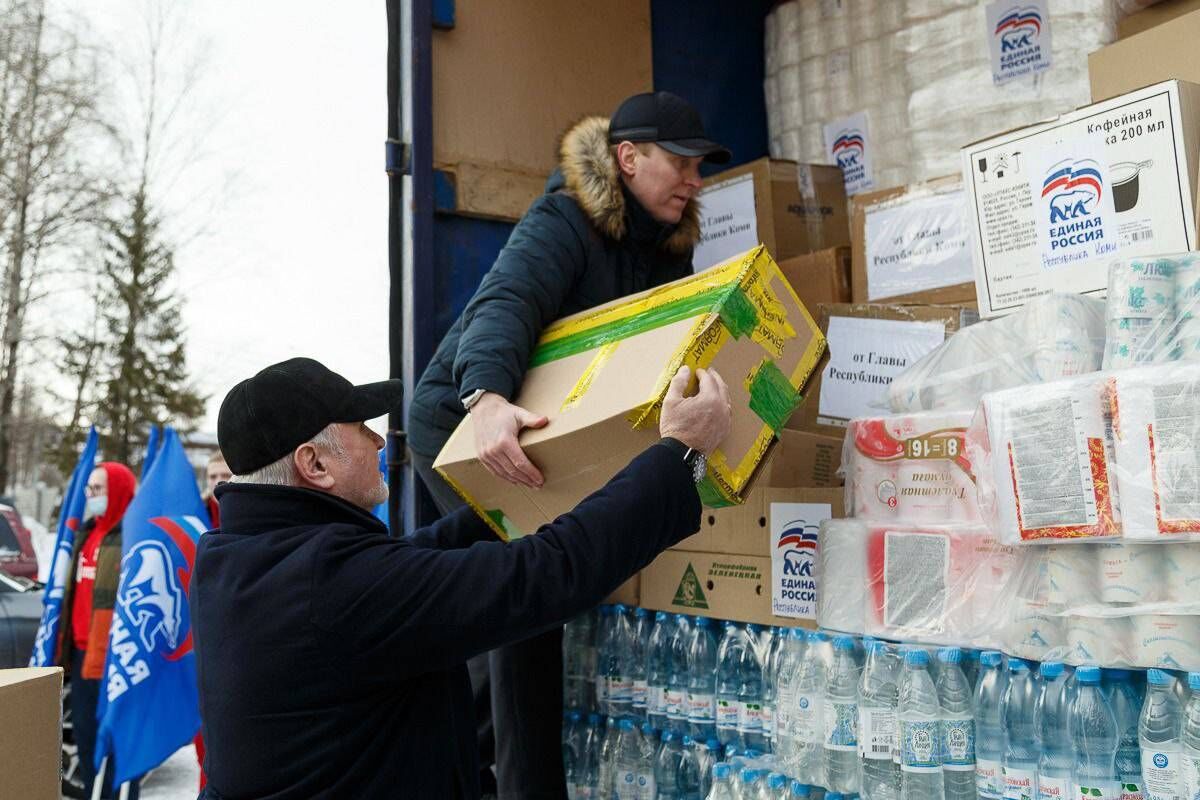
91, 593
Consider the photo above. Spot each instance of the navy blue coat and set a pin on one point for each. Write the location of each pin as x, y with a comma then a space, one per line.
331, 657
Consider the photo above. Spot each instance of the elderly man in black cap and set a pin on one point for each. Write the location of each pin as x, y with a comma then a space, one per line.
618, 216
332, 657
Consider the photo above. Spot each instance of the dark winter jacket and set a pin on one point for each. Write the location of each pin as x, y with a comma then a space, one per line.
585, 242
331, 657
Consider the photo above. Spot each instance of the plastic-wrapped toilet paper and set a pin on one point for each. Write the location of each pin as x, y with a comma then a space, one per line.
1071, 572
1171, 642
1033, 631
842, 575
1049, 462
1153, 310
1098, 640
910, 468
1181, 565
1156, 431
1129, 573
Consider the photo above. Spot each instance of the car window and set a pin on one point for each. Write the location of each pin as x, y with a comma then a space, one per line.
8, 539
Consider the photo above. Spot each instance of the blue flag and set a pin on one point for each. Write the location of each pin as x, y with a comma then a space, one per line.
150, 705
151, 453
70, 516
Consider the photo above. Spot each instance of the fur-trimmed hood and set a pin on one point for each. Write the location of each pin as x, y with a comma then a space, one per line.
591, 177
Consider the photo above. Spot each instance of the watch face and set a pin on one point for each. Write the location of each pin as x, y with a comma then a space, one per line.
699, 468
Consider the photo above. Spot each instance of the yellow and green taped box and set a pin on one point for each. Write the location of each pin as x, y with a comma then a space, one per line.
600, 377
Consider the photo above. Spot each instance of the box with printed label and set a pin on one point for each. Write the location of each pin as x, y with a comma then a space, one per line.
31, 738
773, 536
911, 244
791, 208
1053, 204
869, 345
820, 277
600, 377
1161, 53
1156, 13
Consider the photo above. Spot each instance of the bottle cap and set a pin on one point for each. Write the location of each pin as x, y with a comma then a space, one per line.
990, 658
703, 622
720, 770
798, 633
668, 735
619, 608
800, 789
713, 744
749, 775
1194, 681
625, 724
915, 657
1088, 675
776, 780
843, 643
641, 612
681, 618
1157, 677
593, 719
818, 636
1017, 665
1051, 669
648, 730
750, 626
687, 740
950, 655
1117, 674
659, 616
576, 716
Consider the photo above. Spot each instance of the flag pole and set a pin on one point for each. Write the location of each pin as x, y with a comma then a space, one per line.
98, 783
125, 791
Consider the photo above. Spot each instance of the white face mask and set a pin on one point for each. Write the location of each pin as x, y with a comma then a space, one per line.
95, 506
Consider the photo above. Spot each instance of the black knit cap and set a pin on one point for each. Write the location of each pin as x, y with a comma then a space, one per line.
667, 120
264, 418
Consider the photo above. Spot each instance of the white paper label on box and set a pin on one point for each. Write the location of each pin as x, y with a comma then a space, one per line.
864, 356
794, 529
1051, 205
1019, 38
847, 144
917, 245
728, 222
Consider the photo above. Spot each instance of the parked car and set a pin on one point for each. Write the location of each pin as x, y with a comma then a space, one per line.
20, 614
17, 556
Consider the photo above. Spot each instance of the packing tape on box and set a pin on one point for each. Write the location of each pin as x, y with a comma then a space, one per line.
494, 517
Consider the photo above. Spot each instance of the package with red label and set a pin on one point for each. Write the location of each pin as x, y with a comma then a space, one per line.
1044, 462
910, 468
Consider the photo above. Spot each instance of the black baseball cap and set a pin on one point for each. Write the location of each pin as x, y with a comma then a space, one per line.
264, 418
667, 120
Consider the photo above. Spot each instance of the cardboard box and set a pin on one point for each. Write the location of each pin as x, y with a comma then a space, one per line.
911, 244
31, 737
1154, 15
805, 460
791, 208
600, 377
628, 593
758, 567
869, 345
1053, 204
1162, 53
821, 277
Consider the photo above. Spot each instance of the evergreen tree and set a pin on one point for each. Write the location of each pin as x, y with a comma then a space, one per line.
144, 372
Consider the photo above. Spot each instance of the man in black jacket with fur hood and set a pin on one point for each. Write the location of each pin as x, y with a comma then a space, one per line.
618, 216
330, 656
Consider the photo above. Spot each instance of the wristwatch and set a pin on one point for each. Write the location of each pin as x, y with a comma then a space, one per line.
692, 457
471, 399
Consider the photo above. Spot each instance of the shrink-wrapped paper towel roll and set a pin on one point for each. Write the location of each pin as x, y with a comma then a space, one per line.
842, 575
1181, 564
1171, 642
1129, 573
1104, 641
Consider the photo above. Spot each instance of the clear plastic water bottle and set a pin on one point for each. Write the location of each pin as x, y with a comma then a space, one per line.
750, 695
702, 682
841, 719
1095, 739
989, 727
618, 663
1160, 731
801, 790
749, 785
721, 788
689, 770
587, 771
806, 726
1021, 748
774, 651
970, 667
645, 773
628, 753
1191, 739
790, 654
1050, 717
1126, 699
576, 634
919, 716
658, 659
729, 664
608, 756
642, 627
958, 726
677, 675
877, 698
666, 766
572, 748
603, 644
708, 754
